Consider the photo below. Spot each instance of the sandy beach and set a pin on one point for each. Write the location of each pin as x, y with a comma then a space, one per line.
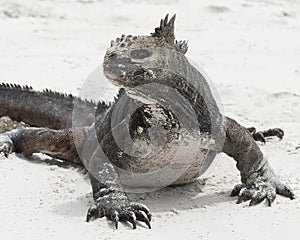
251, 51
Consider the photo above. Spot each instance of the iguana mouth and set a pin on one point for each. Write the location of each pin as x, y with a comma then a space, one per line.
136, 72
122, 70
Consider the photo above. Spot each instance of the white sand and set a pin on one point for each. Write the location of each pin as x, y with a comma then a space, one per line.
250, 49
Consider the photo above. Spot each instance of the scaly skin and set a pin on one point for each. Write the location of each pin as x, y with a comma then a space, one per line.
41, 109
129, 63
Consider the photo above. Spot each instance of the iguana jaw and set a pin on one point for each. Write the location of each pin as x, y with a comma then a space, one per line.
123, 72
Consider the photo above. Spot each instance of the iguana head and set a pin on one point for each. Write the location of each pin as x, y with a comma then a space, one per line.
134, 60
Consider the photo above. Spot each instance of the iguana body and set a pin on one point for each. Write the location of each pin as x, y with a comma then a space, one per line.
131, 62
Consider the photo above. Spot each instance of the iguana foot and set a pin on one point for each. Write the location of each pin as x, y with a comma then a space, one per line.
261, 135
261, 190
117, 207
6, 145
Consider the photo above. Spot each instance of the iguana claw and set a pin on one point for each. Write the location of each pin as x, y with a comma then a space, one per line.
117, 207
261, 135
258, 192
6, 145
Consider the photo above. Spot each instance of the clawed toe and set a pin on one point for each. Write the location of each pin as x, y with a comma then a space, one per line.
278, 132
6, 145
129, 215
119, 209
237, 189
256, 196
285, 191
266, 191
94, 212
114, 217
261, 135
138, 207
142, 217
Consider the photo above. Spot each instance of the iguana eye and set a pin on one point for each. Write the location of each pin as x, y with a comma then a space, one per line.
140, 53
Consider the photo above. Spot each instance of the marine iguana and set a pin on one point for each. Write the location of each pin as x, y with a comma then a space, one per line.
132, 62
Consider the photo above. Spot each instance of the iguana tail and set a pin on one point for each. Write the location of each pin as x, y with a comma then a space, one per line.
39, 108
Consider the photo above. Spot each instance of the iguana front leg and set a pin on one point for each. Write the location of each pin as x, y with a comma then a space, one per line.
55, 143
110, 200
113, 203
259, 181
